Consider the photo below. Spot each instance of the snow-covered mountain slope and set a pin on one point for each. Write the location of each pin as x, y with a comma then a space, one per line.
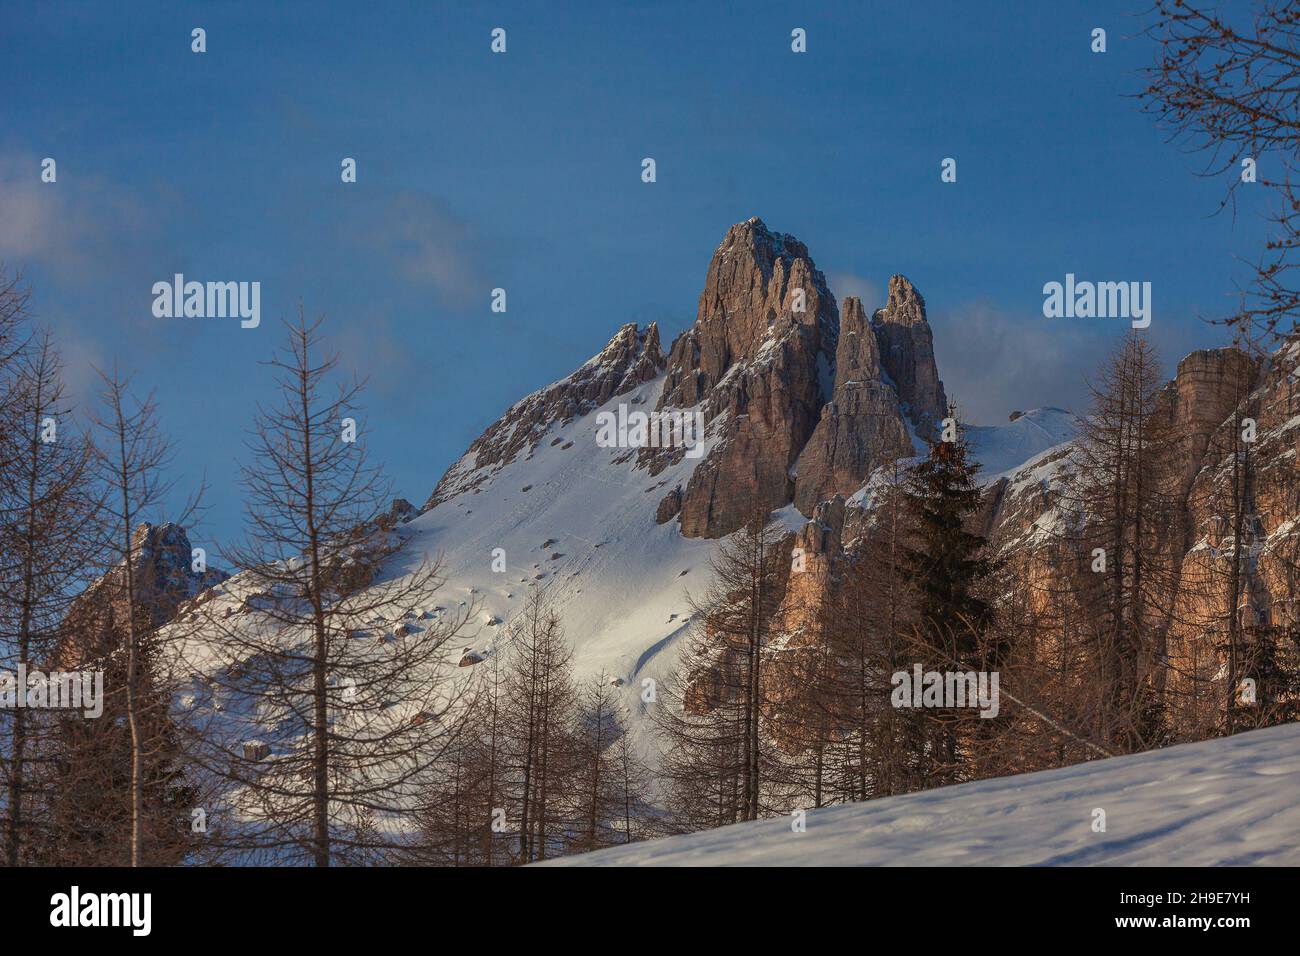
580, 520
1226, 802
1032, 444
1004, 449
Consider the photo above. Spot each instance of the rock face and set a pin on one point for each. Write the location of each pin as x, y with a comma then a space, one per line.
797, 404
1203, 403
631, 358
1199, 404
816, 557
1026, 514
757, 362
802, 405
162, 562
164, 578
817, 545
907, 356
401, 511
861, 427
1209, 384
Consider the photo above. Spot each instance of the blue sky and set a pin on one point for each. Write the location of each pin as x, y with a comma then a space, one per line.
523, 171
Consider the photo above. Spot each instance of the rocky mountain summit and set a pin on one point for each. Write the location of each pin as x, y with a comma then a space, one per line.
757, 362
861, 427
799, 404
808, 403
802, 403
907, 357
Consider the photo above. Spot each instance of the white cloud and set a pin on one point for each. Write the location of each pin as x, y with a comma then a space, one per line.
428, 245
76, 226
993, 363
845, 284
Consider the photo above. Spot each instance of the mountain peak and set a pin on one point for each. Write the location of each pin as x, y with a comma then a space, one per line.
164, 579
767, 245
907, 356
861, 427
757, 363
905, 303
791, 393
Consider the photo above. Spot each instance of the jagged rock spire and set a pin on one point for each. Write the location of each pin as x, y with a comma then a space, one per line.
861, 427
907, 356
756, 361
796, 408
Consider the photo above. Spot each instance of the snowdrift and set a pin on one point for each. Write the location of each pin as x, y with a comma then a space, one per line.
1225, 802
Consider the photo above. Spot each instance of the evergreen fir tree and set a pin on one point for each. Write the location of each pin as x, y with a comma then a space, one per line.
944, 563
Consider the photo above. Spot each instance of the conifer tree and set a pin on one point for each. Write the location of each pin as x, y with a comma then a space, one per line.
538, 715
714, 718
598, 799
130, 458
632, 789
47, 507
945, 565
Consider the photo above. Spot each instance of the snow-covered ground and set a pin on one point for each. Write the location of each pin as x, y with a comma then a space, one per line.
578, 520
1227, 802
1004, 449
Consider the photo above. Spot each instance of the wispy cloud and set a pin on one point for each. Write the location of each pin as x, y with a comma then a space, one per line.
993, 362
81, 360
373, 349
845, 284
80, 227
428, 245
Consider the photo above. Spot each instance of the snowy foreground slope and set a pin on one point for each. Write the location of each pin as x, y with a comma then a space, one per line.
1227, 802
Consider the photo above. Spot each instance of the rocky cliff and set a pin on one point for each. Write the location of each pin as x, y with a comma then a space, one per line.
802, 403
799, 403
1213, 396
756, 362
862, 426
162, 571
907, 357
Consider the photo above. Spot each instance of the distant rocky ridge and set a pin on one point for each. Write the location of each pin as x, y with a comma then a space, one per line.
1023, 512
799, 405
165, 583
631, 358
